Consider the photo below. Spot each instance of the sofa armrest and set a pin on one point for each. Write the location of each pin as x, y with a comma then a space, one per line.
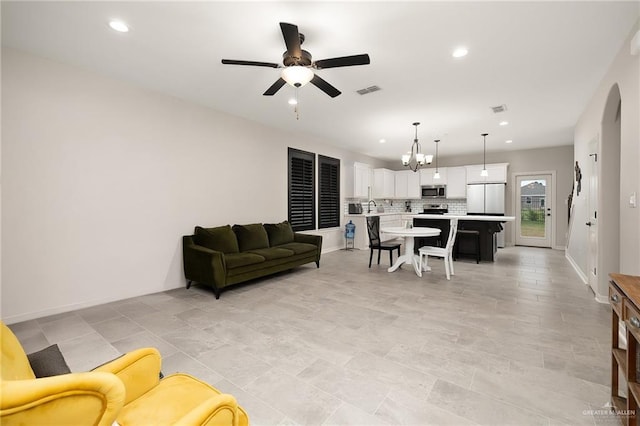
93, 398
202, 264
309, 239
218, 410
139, 370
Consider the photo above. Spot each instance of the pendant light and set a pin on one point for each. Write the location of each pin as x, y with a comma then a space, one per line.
484, 172
414, 159
436, 175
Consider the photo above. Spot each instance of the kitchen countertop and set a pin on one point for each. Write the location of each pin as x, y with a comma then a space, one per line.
466, 217
379, 214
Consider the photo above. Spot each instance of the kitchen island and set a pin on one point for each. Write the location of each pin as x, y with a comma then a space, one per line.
487, 226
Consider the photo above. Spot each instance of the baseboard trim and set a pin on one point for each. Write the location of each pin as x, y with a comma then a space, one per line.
330, 249
73, 307
576, 268
602, 299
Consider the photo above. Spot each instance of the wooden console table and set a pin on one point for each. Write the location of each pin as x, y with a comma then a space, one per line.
624, 297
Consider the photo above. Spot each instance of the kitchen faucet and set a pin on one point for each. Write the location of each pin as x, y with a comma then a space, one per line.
369, 205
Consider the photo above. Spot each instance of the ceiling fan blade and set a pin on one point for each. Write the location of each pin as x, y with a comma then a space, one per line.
252, 63
291, 39
324, 86
275, 87
343, 61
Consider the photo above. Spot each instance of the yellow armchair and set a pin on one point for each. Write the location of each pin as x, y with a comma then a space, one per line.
127, 390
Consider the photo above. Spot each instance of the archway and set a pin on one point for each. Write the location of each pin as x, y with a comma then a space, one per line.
609, 198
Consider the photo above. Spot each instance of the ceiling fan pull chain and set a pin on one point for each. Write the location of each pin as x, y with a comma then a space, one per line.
295, 109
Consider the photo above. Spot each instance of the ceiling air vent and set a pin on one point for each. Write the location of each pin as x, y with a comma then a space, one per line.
499, 108
369, 89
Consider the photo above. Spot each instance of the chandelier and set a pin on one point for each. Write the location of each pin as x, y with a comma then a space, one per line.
416, 159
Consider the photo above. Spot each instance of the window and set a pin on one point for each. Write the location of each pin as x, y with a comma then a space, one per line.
302, 196
328, 192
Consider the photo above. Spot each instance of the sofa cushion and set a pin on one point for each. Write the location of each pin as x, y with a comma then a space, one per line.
238, 260
220, 238
279, 233
272, 253
299, 248
48, 362
251, 237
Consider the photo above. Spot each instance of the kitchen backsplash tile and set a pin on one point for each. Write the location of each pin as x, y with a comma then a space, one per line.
398, 206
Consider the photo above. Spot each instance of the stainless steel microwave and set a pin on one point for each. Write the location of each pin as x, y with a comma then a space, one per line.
434, 191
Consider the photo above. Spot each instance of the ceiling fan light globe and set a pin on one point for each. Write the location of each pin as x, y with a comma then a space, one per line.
296, 75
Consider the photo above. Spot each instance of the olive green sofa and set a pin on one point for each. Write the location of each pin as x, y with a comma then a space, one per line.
225, 255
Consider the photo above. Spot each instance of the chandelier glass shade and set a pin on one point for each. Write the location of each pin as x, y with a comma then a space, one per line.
297, 75
415, 158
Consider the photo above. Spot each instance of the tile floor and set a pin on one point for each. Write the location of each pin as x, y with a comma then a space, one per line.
516, 342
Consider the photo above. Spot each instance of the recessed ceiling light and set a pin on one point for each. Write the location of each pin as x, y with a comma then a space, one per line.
293, 101
504, 123
508, 141
383, 140
119, 26
460, 52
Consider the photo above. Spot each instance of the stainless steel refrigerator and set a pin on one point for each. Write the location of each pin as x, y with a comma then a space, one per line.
487, 199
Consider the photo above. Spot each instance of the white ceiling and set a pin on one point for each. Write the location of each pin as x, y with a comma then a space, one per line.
543, 60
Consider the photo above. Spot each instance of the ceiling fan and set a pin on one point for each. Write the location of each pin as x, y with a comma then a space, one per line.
298, 65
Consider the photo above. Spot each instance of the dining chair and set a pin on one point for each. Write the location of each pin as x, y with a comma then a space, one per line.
373, 228
446, 252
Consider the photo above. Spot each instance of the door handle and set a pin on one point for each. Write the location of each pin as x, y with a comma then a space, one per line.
588, 223
548, 214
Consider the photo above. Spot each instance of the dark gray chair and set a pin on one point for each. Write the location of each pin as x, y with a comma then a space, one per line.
373, 227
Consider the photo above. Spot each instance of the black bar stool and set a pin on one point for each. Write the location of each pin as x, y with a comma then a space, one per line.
470, 241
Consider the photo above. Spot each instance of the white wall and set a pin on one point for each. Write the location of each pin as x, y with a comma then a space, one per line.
625, 72
101, 179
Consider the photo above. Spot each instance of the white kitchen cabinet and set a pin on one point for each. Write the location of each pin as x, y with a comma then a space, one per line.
456, 183
361, 240
387, 221
496, 173
384, 185
426, 176
407, 184
413, 186
402, 179
361, 180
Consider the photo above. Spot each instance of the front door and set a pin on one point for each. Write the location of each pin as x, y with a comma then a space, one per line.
533, 210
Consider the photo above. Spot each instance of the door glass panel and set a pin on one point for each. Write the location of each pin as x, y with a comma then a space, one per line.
532, 208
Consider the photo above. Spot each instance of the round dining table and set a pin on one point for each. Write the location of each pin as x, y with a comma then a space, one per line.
409, 243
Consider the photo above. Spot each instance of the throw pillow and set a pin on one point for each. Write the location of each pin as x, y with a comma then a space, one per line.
251, 236
48, 362
220, 238
279, 233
